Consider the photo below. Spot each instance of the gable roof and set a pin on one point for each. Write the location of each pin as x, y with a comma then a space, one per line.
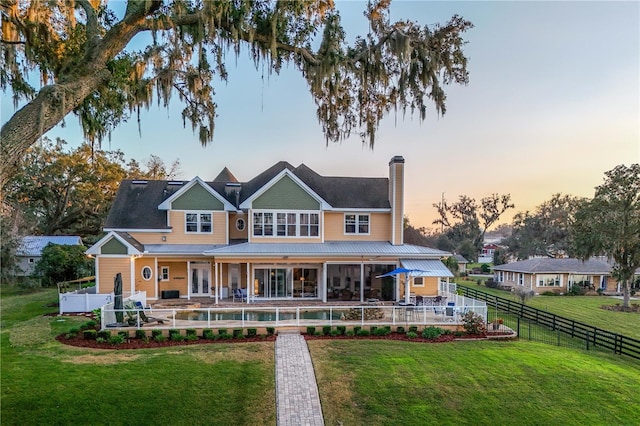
136, 203
133, 246
166, 204
32, 245
556, 266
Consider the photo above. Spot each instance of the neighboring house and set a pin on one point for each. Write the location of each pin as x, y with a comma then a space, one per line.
557, 275
29, 250
288, 233
486, 254
462, 263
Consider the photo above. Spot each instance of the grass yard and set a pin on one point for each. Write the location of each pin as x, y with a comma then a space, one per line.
472, 383
585, 309
44, 382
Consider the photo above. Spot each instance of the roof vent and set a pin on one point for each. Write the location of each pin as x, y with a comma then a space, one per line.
139, 182
175, 183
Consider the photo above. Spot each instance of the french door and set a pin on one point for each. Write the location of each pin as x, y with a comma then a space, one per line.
200, 279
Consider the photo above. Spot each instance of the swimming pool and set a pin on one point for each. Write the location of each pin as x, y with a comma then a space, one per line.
257, 316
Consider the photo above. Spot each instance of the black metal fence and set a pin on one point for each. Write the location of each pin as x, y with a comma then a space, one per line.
535, 324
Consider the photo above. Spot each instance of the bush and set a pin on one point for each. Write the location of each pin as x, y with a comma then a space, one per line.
63, 263
271, 331
237, 333
473, 323
192, 332
155, 333
383, 331
89, 334
491, 284
311, 330
222, 331
74, 331
176, 337
363, 332
208, 334
341, 329
400, 329
335, 332
141, 334
523, 294
173, 331
104, 335
124, 334
252, 332
100, 340
412, 335
225, 336
575, 290
159, 338
326, 330
191, 337
356, 329
432, 333
349, 333
89, 324
116, 339
413, 328
373, 329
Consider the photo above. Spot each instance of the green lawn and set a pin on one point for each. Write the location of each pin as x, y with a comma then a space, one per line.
361, 382
473, 383
44, 382
586, 309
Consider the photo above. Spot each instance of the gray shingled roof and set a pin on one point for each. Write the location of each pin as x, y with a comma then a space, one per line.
32, 245
359, 248
556, 266
136, 202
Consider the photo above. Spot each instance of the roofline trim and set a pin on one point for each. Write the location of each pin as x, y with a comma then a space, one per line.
166, 204
247, 204
164, 231
95, 249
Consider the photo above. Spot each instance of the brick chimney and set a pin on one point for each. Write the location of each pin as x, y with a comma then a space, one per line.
396, 199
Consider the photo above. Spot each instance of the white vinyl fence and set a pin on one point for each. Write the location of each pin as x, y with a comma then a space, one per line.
86, 300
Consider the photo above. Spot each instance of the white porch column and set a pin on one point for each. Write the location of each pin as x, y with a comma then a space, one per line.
249, 284
361, 281
188, 280
155, 260
132, 284
324, 282
215, 280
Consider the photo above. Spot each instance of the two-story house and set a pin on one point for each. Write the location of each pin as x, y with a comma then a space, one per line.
288, 233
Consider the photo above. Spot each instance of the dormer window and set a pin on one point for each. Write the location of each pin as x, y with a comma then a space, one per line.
199, 223
356, 224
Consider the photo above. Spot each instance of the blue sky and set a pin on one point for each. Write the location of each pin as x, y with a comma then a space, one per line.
552, 103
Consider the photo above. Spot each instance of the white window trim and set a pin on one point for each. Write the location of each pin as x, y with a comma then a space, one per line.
357, 224
415, 284
164, 270
144, 268
244, 224
274, 223
520, 278
199, 222
540, 277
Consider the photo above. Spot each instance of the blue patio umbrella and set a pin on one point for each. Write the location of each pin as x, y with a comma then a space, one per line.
408, 273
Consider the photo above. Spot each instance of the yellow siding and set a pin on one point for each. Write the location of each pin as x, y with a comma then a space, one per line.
146, 285
178, 279
108, 267
379, 227
430, 287
234, 234
178, 236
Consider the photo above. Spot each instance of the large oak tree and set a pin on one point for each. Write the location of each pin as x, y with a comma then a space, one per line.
80, 49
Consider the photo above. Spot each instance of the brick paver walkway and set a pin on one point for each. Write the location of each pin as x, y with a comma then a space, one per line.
297, 399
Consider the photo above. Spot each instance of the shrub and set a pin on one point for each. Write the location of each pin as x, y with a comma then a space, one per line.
237, 333
575, 290
222, 331
124, 334
116, 339
97, 313
341, 329
225, 336
252, 332
104, 335
491, 284
271, 331
335, 332
173, 331
432, 333
208, 334
473, 323
89, 334
311, 330
363, 332
191, 337
141, 334
523, 294
400, 329
159, 338
412, 335
356, 329
62, 263
101, 340
373, 329
155, 333
176, 337
192, 332
413, 328
326, 330
90, 324
549, 293
349, 333
380, 331
74, 331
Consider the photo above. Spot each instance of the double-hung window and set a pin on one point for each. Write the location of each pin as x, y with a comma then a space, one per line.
263, 224
356, 224
198, 223
309, 224
286, 224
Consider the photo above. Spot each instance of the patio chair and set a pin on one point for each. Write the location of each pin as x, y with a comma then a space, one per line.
240, 294
134, 309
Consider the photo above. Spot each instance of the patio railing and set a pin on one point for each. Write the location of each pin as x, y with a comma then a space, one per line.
273, 316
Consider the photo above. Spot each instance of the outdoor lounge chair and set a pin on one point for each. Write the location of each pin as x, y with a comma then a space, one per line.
240, 294
134, 309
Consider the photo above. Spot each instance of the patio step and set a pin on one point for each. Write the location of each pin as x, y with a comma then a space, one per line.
287, 330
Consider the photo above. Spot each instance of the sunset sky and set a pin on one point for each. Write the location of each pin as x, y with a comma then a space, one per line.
552, 103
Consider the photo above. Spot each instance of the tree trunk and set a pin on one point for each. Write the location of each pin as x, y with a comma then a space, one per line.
625, 294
